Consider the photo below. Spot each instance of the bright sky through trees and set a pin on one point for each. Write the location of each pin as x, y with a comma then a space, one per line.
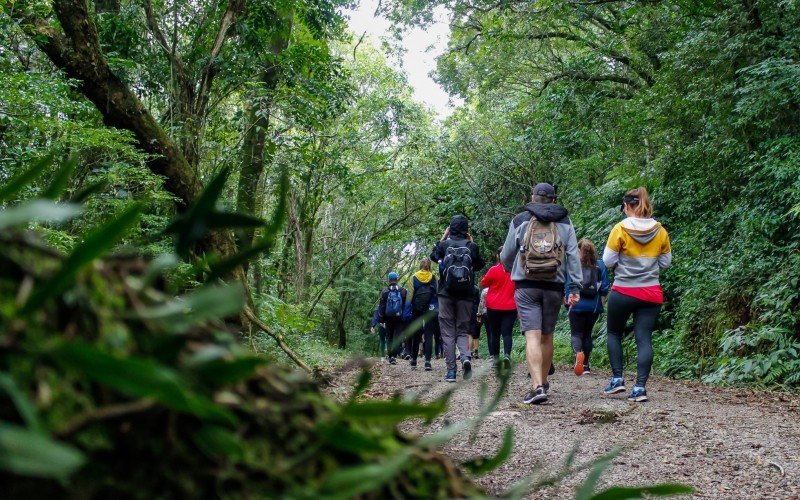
420, 46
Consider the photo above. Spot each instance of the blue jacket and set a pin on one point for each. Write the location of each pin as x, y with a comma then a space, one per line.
591, 304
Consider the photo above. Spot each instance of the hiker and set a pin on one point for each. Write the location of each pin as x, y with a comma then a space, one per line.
539, 251
424, 294
474, 324
637, 248
393, 301
480, 322
501, 310
584, 314
376, 325
459, 258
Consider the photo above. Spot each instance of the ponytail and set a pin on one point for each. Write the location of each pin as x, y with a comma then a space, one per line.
640, 202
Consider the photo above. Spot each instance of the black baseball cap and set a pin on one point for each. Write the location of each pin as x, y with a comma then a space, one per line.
544, 189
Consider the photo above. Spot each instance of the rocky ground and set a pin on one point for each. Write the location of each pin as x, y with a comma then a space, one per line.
726, 443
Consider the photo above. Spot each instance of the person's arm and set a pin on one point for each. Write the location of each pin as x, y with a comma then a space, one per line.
382, 306
665, 258
477, 261
509, 251
489, 278
613, 247
604, 282
575, 276
436, 253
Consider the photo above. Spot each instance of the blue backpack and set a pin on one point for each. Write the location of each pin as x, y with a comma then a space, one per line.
394, 303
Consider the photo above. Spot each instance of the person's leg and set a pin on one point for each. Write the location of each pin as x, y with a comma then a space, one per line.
506, 329
533, 356
428, 332
619, 309
588, 341
644, 321
437, 337
576, 324
416, 339
447, 324
382, 340
463, 321
552, 302
391, 341
493, 327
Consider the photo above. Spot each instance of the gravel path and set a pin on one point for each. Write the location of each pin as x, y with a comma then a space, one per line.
725, 443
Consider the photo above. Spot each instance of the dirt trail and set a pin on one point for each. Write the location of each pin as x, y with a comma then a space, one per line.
725, 443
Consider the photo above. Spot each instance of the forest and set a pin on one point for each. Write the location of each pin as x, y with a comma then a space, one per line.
200, 203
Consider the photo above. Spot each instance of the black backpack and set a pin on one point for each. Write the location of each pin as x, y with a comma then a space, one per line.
458, 276
590, 281
422, 297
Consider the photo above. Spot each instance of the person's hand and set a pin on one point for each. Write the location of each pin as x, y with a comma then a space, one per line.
446, 233
372, 329
603, 301
479, 318
574, 298
469, 236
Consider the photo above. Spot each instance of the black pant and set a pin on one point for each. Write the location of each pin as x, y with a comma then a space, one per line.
500, 324
620, 308
394, 336
436, 333
424, 328
581, 325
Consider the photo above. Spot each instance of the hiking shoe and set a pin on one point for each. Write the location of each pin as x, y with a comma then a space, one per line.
579, 357
616, 385
392, 361
408, 356
552, 369
467, 367
638, 394
586, 370
535, 396
428, 366
413, 363
451, 376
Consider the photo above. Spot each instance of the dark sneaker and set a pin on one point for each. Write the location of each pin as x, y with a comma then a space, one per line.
546, 387
638, 395
428, 366
408, 356
413, 363
586, 370
552, 369
535, 396
507, 362
579, 358
392, 361
615, 386
451, 376
467, 367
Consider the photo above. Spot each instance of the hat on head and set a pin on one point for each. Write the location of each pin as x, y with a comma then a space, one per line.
392, 276
544, 189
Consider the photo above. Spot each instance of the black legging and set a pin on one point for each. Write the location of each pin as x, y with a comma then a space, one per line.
500, 324
394, 332
416, 337
620, 308
581, 325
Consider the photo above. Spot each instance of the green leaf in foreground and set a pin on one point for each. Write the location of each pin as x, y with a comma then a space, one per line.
24, 178
392, 411
25, 408
138, 377
30, 453
38, 211
205, 303
218, 441
659, 490
353, 481
59, 180
484, 465
96, 243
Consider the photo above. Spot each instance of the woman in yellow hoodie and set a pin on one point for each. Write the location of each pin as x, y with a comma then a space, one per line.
423, 303
637, 248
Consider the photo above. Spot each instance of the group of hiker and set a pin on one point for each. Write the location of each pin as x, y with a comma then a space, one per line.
540, 268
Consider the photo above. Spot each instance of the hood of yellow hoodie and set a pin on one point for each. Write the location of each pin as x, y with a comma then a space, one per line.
423, 276
641, 230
